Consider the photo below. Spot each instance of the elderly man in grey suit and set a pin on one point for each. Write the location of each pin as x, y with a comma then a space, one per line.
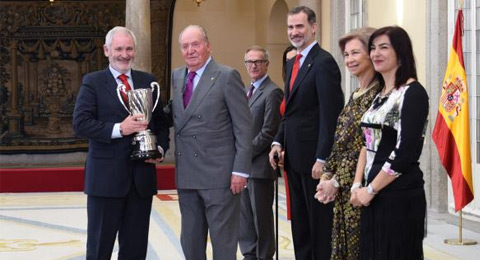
257, 238
213, 145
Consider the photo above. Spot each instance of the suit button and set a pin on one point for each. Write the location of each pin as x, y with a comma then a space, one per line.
194, 136
178, 135
199, 116
179, 153
195, 154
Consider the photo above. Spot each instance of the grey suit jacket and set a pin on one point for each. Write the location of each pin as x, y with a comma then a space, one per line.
213, 134
264, 106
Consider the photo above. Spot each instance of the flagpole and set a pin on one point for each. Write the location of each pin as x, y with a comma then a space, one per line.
460, 240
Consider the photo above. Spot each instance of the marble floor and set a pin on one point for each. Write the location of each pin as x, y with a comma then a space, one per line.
52, 226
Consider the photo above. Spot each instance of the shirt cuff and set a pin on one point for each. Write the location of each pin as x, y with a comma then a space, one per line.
276, 143
386, 168
320, 160
241, 174
160, 150
116, 131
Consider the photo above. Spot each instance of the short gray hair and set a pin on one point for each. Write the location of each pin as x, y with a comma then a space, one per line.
266, 55
194, 26
116, 29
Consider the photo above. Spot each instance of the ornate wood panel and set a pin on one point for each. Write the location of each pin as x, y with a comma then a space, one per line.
45, 49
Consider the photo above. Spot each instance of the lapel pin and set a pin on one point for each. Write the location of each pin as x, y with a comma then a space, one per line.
212, 79
309, 64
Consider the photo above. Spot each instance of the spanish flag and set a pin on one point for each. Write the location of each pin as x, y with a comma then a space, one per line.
452, 132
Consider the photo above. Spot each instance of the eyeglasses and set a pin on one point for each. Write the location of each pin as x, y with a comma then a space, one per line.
249, 63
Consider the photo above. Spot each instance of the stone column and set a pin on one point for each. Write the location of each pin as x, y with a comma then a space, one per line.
137, 16
316, 6
435, 175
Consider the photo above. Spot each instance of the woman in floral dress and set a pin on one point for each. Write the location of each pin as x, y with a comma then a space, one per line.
341, 164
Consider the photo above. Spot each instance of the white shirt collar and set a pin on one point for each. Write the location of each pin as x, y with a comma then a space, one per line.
115, 73
306, 51
259, 82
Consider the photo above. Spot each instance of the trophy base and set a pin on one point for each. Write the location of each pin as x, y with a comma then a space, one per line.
144, 155
145, 146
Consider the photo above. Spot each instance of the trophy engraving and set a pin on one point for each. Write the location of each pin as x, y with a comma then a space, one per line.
140, 101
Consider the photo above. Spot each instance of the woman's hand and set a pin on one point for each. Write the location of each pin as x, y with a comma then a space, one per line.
363, 196
326, 191
354, 199
329, 191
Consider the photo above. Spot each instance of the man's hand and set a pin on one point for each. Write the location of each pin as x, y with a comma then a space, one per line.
133, 124
157, 160
237, 183
276, 150
317, 170
281, 160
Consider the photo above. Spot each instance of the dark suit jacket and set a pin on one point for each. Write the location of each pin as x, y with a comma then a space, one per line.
109, 172
213, 134
264, 106
312, 108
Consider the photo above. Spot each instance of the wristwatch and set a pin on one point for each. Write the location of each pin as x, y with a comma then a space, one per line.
120, 129
370, 190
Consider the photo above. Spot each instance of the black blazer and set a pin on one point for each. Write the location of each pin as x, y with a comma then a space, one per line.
109, 172
312, 108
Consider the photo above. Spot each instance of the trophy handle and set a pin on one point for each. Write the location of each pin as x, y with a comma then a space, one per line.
153, 85
121, 87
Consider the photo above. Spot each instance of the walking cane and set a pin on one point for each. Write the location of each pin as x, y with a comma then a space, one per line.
275, 157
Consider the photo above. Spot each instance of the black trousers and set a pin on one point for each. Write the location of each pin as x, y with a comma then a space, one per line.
128, 216
311, 220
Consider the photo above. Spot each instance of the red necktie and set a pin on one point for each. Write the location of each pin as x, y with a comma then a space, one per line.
296, 67
124, 80
250, 91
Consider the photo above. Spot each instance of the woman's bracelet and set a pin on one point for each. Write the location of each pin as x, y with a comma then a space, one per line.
335, 182
355, 186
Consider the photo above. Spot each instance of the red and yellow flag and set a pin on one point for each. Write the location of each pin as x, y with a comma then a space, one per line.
452, 132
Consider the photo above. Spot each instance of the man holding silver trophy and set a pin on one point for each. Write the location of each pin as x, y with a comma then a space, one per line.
119, 110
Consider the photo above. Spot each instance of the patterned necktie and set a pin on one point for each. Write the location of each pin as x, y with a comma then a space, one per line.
296, 67
250, 91
187, 95
124, 80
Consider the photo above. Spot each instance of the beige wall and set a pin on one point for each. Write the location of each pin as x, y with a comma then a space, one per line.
229, 25
411, 16
235, 25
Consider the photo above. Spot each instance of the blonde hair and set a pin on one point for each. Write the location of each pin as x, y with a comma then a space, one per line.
362, 34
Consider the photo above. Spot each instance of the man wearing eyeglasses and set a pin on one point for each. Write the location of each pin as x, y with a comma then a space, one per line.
257, 238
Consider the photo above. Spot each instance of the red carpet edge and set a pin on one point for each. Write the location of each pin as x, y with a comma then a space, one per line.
64, 179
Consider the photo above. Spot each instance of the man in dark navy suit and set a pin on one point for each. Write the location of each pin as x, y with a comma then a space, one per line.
314, 99
119, 190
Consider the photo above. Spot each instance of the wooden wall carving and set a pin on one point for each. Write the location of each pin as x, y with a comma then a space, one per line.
45, 49
161, 12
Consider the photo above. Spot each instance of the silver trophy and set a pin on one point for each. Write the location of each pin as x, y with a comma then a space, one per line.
140, 101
